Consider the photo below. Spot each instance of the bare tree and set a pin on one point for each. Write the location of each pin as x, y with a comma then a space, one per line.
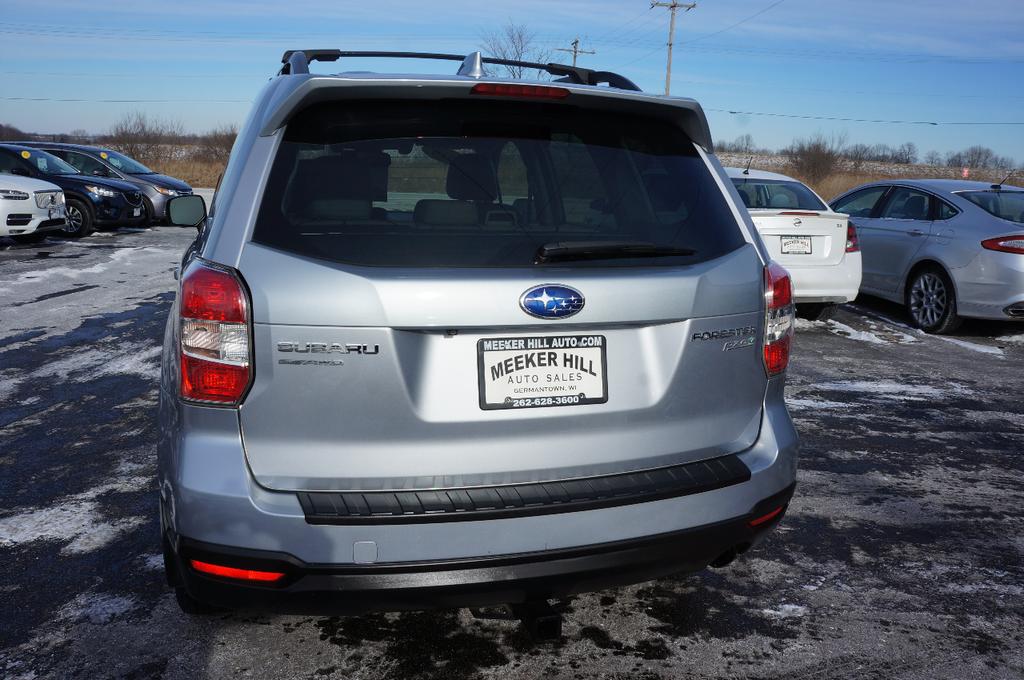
515, 42
9, 132
815, 158
933, 158
216, 144
150, 140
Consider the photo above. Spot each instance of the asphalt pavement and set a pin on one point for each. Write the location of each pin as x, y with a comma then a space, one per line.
900, 557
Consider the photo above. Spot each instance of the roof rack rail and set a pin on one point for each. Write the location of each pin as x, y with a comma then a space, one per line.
297, 61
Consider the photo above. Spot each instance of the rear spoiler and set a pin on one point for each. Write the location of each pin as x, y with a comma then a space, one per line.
290, 95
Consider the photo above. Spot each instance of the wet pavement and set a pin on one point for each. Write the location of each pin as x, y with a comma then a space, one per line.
900, 557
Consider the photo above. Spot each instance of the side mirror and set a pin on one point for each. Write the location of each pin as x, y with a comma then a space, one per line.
101, 172
21, 171
187, 211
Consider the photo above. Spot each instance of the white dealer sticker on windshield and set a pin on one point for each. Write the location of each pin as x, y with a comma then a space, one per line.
528, 372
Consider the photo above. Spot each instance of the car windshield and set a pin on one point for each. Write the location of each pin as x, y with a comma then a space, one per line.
488, 184
773, 194
1008, 205
48, 163
125, 164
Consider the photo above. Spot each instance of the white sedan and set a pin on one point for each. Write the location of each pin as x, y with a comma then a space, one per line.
818, 247
30, 207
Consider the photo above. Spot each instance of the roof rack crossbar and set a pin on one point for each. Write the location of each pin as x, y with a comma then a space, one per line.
297, 61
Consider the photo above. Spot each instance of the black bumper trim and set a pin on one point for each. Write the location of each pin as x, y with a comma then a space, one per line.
502, 579
521, 500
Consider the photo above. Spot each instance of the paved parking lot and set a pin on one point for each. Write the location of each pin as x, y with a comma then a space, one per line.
901, 556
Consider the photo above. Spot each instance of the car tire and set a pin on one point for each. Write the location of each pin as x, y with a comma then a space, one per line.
34, 237
931, 301
147, 205
80, 221
817, 311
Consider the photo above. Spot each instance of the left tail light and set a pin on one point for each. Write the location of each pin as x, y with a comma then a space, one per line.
778, 318
852, 244
216, 324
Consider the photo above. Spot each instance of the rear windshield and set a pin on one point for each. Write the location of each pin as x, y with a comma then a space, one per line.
488, 184
770, 194
1009, 205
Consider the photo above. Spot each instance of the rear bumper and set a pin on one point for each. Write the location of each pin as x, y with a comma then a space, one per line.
506, 579
827, 283
991, 286
212, 503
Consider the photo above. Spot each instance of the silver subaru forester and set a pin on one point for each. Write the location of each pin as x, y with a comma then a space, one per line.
456, 340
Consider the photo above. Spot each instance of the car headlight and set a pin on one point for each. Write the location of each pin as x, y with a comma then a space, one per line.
167, 192
13, 195
101, 191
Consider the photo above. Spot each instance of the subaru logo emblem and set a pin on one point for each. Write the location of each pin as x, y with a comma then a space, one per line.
551, 301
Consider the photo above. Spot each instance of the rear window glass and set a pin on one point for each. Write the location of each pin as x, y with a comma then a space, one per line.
487, 184
1008, 205
763, 194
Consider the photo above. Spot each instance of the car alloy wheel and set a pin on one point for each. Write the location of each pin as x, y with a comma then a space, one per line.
75, 220
928, 300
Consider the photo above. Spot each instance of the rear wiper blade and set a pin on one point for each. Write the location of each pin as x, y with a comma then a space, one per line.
563, 251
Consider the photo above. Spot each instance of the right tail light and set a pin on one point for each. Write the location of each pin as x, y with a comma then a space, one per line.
778, 318
216, 361
852, 244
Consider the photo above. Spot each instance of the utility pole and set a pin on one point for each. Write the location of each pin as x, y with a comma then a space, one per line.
672, 7
575, 50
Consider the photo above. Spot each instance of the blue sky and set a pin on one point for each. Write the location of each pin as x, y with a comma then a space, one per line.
201, 62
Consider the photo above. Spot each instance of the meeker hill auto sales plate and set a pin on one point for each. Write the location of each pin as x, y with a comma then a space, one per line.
529, 372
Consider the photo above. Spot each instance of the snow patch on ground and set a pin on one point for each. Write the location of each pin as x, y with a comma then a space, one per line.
1015, 339
37, 275
8, 386
786, 611
892, 390
842, 330
85, 365
96, 608
984, 349
77, 520
153, 562
801, 404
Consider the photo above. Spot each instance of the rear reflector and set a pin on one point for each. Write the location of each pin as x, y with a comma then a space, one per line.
758, 521
514, 90
215, 330
238, 574
852, 244
778, 318
1006, 244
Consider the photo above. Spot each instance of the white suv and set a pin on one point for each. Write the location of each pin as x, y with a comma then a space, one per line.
29, 208
817, 246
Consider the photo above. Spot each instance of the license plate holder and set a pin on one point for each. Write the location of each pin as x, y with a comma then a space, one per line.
795, 245
542, 371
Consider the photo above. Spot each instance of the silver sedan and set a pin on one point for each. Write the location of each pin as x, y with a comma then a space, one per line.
947, 249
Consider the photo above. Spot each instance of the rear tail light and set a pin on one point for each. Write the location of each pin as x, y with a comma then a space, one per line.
514, 90
1006, 244
852, 244
778, 318
235, 573
216, 365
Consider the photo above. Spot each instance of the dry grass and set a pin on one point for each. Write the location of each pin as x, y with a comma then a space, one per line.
838, 183
197, 173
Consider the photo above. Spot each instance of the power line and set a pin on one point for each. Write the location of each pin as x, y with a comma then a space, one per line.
862, 120
732, 26
672, 6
